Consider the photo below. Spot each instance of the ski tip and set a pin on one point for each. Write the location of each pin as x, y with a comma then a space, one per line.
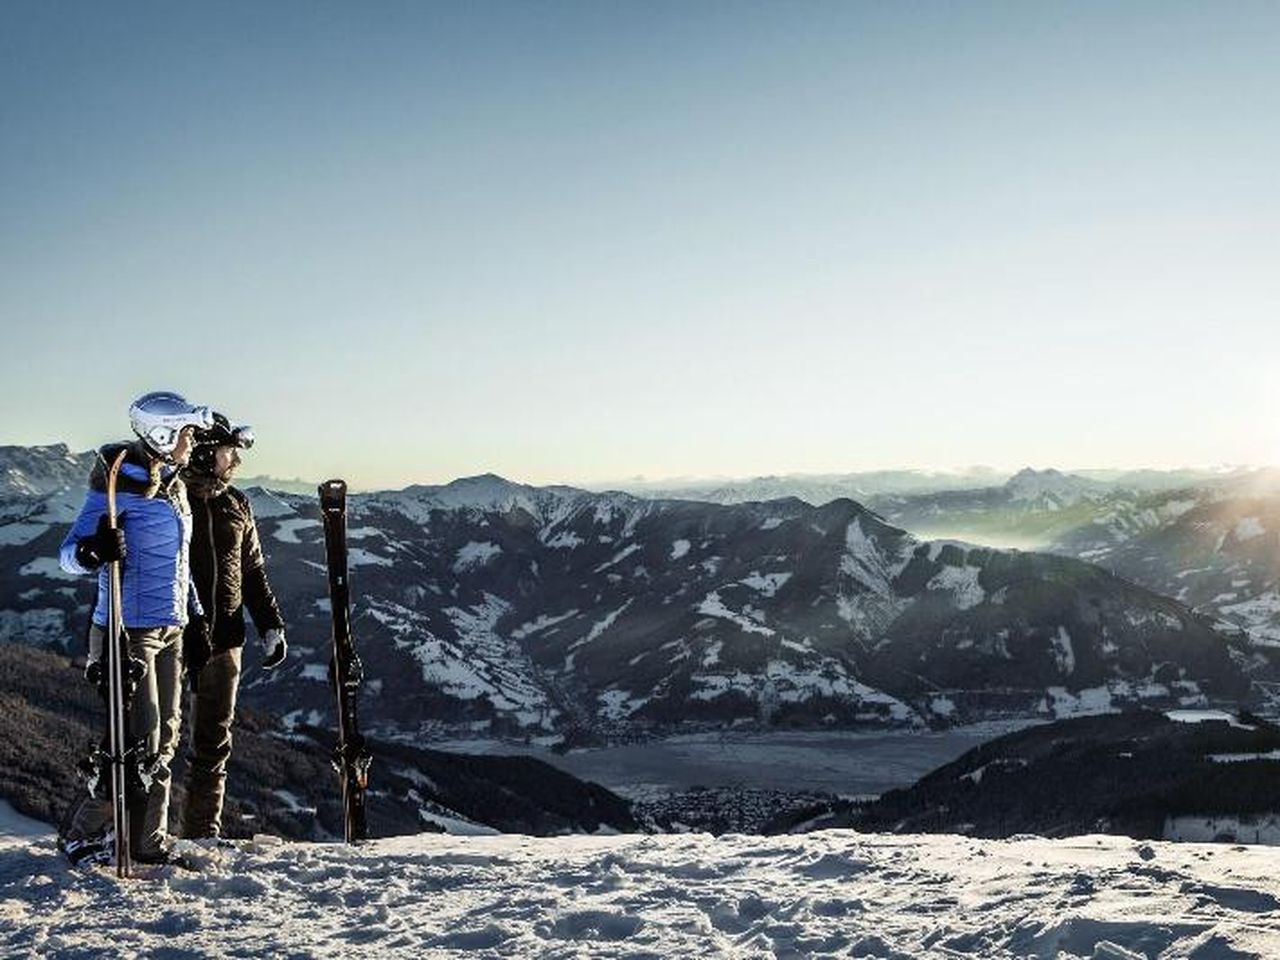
333, 491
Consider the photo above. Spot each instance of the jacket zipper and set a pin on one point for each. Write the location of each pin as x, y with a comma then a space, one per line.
213, 587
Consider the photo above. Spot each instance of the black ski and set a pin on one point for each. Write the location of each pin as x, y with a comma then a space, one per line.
111, 772
115, 656
352, 757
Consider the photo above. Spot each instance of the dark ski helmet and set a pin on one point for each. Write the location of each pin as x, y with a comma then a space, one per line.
159, 418
223, 433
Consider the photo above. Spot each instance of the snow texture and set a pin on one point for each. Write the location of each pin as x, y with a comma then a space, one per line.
474, 554
1063, 652
287, 530
962, 582
45, 567
820, 894
18, 534
359, 557
766, 584
1248, 528
713, 606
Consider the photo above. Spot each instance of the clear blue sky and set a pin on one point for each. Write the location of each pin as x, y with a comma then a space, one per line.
585, 241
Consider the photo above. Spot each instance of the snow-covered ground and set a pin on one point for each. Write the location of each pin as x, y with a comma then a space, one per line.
835, 893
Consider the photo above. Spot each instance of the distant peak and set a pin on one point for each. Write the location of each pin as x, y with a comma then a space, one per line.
482, 480
1030, 484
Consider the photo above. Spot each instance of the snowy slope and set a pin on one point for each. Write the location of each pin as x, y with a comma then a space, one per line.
823, 894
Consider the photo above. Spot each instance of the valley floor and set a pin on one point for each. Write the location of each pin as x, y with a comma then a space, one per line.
842, 762
823, 894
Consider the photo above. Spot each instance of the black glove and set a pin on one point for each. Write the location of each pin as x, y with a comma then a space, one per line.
196, 648
95, 673
104, 546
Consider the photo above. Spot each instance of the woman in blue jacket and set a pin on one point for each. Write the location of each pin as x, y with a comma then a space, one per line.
153, 541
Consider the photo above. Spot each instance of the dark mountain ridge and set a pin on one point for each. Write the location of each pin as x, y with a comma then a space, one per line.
1130, 773
283, 783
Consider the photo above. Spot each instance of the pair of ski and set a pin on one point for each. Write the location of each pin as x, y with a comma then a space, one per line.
351, 757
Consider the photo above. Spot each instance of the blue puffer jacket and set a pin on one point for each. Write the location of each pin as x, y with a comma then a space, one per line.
155, 585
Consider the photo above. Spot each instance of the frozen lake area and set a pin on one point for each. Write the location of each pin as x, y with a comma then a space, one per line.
846, 763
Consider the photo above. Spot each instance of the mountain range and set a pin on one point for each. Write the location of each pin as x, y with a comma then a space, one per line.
488, 608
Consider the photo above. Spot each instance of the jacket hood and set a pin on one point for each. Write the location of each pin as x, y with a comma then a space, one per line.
141, 473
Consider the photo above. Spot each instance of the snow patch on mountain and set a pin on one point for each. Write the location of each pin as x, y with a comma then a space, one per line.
46, 567
474, 554
17, 534
869, 563
1062, 703
766, 584
487, 492
600, 626
480, 663
1052, 487
543, 622
564, 540
713, 606
619, 704
617, 558
962, 583
1063, 652
1247, 528
679, 548
1172, 509
267, 505
286, 531
359, 557
784, 682
1260, 616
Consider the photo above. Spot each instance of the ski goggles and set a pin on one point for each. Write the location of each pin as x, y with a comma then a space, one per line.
160, 418
165, 436
242, 436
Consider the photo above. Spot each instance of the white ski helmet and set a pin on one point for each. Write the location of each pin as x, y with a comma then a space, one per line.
159, 418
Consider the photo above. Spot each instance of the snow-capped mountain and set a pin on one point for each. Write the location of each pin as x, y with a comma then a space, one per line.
1212, 549
538, 609
488, 607
35, 471
1051, 488
1028, 510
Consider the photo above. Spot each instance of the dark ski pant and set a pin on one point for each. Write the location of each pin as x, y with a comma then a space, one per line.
155, 718
213, 708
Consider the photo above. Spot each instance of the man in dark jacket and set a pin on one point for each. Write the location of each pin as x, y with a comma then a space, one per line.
230, 575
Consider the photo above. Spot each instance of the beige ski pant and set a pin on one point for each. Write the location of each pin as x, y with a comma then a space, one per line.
155, 718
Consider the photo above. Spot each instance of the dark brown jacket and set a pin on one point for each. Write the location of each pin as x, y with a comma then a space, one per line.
227, 565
